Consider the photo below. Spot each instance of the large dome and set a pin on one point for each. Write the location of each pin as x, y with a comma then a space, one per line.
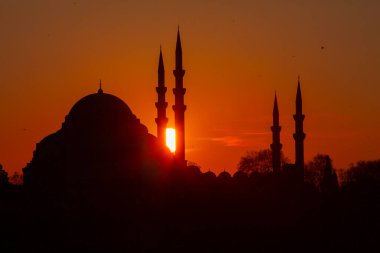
101, 111
99, 105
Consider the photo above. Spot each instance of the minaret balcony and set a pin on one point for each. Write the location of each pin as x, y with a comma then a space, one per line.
161, 89
299, 117
161, 105
179, 91
180, 108
179, 73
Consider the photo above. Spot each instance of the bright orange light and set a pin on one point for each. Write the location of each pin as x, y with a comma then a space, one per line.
170, 139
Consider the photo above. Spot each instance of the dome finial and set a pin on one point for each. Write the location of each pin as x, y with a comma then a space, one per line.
100, 91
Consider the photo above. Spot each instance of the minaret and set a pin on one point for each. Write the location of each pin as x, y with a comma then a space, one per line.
161, 104
276, 146
179, 106
299, 135
100, 91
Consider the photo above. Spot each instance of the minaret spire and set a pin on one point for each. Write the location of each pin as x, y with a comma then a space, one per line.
276, 145
161, 104
179, 106
299, 135
178, 52
100, 91
299, 98
161, 70
275, 109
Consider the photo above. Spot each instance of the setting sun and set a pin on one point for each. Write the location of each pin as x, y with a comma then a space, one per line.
170, 139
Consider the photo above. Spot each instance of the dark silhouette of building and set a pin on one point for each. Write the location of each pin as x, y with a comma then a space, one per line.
161, 104
299, 135
276, 144
179, 106
100, 147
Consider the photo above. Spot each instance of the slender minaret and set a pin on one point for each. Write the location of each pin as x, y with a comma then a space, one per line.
100, 91
161, 104
299, 135
276, 146
179, 106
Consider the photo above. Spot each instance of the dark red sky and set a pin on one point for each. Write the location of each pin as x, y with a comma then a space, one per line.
236, 54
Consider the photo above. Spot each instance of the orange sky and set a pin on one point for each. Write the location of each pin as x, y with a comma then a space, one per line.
236, 54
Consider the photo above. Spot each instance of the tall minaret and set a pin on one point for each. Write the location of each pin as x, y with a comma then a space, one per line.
276, 146
161, 104
179, 106
299, 135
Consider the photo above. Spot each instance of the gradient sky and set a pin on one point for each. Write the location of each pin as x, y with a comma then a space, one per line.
236, 54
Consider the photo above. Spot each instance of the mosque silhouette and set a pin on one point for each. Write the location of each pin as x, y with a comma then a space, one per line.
102, 183
101, 139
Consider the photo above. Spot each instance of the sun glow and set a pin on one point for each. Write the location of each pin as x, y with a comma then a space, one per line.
170, 139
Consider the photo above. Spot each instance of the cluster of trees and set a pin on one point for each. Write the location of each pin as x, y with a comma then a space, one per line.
319, 172
3, 177
5, 180
258, 162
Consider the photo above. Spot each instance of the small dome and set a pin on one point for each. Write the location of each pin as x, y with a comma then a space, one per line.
224, 175
194, 170
209, 175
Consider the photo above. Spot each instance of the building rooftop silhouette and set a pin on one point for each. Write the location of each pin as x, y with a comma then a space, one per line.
101, 141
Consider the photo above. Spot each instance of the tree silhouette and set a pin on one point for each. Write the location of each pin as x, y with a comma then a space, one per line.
329, 182
3, 177
258, 162
314, 170
16, 179
363, 172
